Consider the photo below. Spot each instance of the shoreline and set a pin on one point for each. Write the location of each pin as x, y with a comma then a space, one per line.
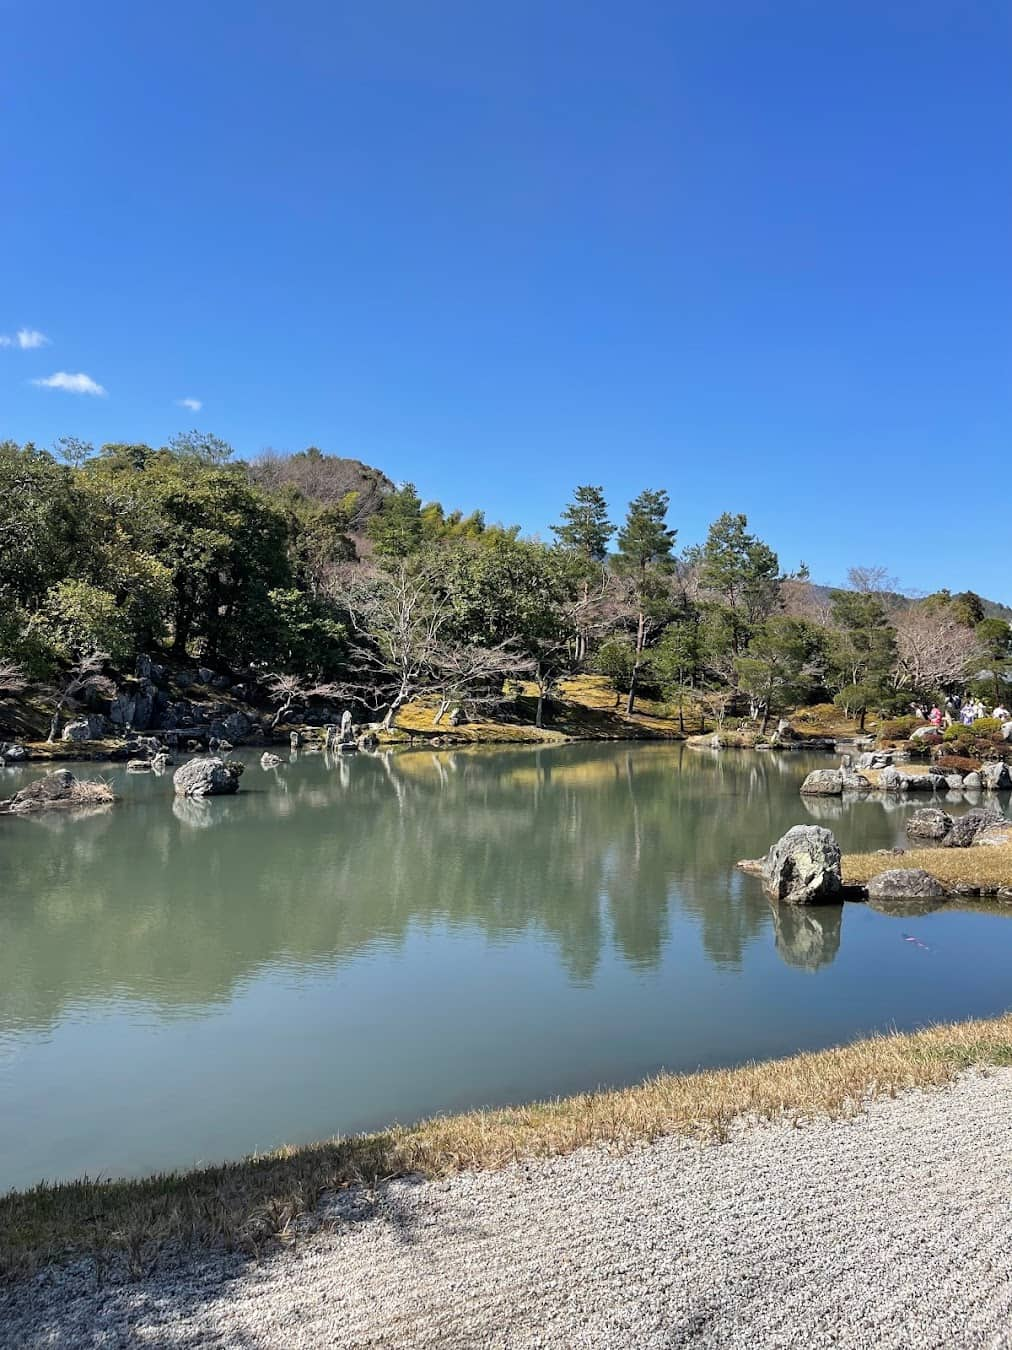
253, 1204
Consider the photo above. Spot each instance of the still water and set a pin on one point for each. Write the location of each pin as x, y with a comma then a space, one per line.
355, 941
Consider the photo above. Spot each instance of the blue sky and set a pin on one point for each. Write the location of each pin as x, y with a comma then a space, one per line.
756, 253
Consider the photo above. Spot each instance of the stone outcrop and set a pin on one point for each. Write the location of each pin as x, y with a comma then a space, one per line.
966, 828
13, 753
59, 788
823, 783
996, 777
803, 868
928, 822
996, 836
206, 777
905, 883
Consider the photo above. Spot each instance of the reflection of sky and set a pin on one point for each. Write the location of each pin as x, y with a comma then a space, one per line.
408, 941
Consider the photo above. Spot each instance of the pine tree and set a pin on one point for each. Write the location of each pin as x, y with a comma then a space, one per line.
585, 528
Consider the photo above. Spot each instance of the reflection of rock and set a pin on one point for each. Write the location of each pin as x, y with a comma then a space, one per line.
825, 808
268, 760
197, 812
807, 937
906, 909
905, 883
803, 867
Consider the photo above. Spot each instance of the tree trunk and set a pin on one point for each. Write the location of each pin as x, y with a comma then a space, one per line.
765, 720
861, 715
539, 714
444, 705
630, 702
54, 727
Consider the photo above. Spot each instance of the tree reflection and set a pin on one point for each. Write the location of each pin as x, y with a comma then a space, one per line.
588, 848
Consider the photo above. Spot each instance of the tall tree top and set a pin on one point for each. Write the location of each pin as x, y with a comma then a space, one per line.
645, 541
585, 527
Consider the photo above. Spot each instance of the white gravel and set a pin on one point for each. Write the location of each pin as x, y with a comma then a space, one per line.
892, 1229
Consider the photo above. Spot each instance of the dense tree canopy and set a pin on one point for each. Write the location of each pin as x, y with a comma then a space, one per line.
319, 570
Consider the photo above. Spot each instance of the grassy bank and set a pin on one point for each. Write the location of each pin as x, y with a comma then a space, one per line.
248, 1205
987, 867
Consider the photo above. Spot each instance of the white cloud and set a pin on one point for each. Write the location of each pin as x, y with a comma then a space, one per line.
25, 338
72, 384
194, 404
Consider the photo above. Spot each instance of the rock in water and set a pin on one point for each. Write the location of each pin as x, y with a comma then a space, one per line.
269, 760
207, 777
905, 883
823, 783
929, 823
803, 868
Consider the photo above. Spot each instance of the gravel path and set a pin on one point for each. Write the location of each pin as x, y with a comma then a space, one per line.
894, 1229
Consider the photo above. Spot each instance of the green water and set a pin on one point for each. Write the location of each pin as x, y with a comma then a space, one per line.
348, 942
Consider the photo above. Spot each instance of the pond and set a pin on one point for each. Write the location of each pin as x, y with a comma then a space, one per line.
354, 941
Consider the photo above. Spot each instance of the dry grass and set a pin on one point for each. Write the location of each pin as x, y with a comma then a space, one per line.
248, 1205
584, 709
988, 867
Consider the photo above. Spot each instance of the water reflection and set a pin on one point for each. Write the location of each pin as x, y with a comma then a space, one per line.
384, 936
590, 849
807, 936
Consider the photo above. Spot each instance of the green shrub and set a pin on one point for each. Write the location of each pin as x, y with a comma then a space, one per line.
918, 749
987, 727
898, 728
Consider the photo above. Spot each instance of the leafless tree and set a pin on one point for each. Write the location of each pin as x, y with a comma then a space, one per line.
85, 676
12, 678
933, 650
287, 690
402, 644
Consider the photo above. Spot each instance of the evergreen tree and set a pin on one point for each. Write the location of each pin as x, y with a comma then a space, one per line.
397, 529
585, 528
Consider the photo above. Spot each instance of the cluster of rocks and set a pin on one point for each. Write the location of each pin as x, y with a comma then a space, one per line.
11, 752
982, 825
991, 777
804, 867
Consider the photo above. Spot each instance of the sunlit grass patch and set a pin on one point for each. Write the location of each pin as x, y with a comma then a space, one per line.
988, 867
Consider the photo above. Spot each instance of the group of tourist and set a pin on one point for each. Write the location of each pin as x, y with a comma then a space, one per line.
966, 712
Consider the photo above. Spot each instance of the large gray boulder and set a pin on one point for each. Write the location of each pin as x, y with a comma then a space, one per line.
891, 780
965, 828
12, 753
236, 725
973, 782
803, 868
823, 783
996, 777
206, 777
929, 823
905, 883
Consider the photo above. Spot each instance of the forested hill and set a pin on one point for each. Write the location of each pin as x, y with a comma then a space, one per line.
320, 570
